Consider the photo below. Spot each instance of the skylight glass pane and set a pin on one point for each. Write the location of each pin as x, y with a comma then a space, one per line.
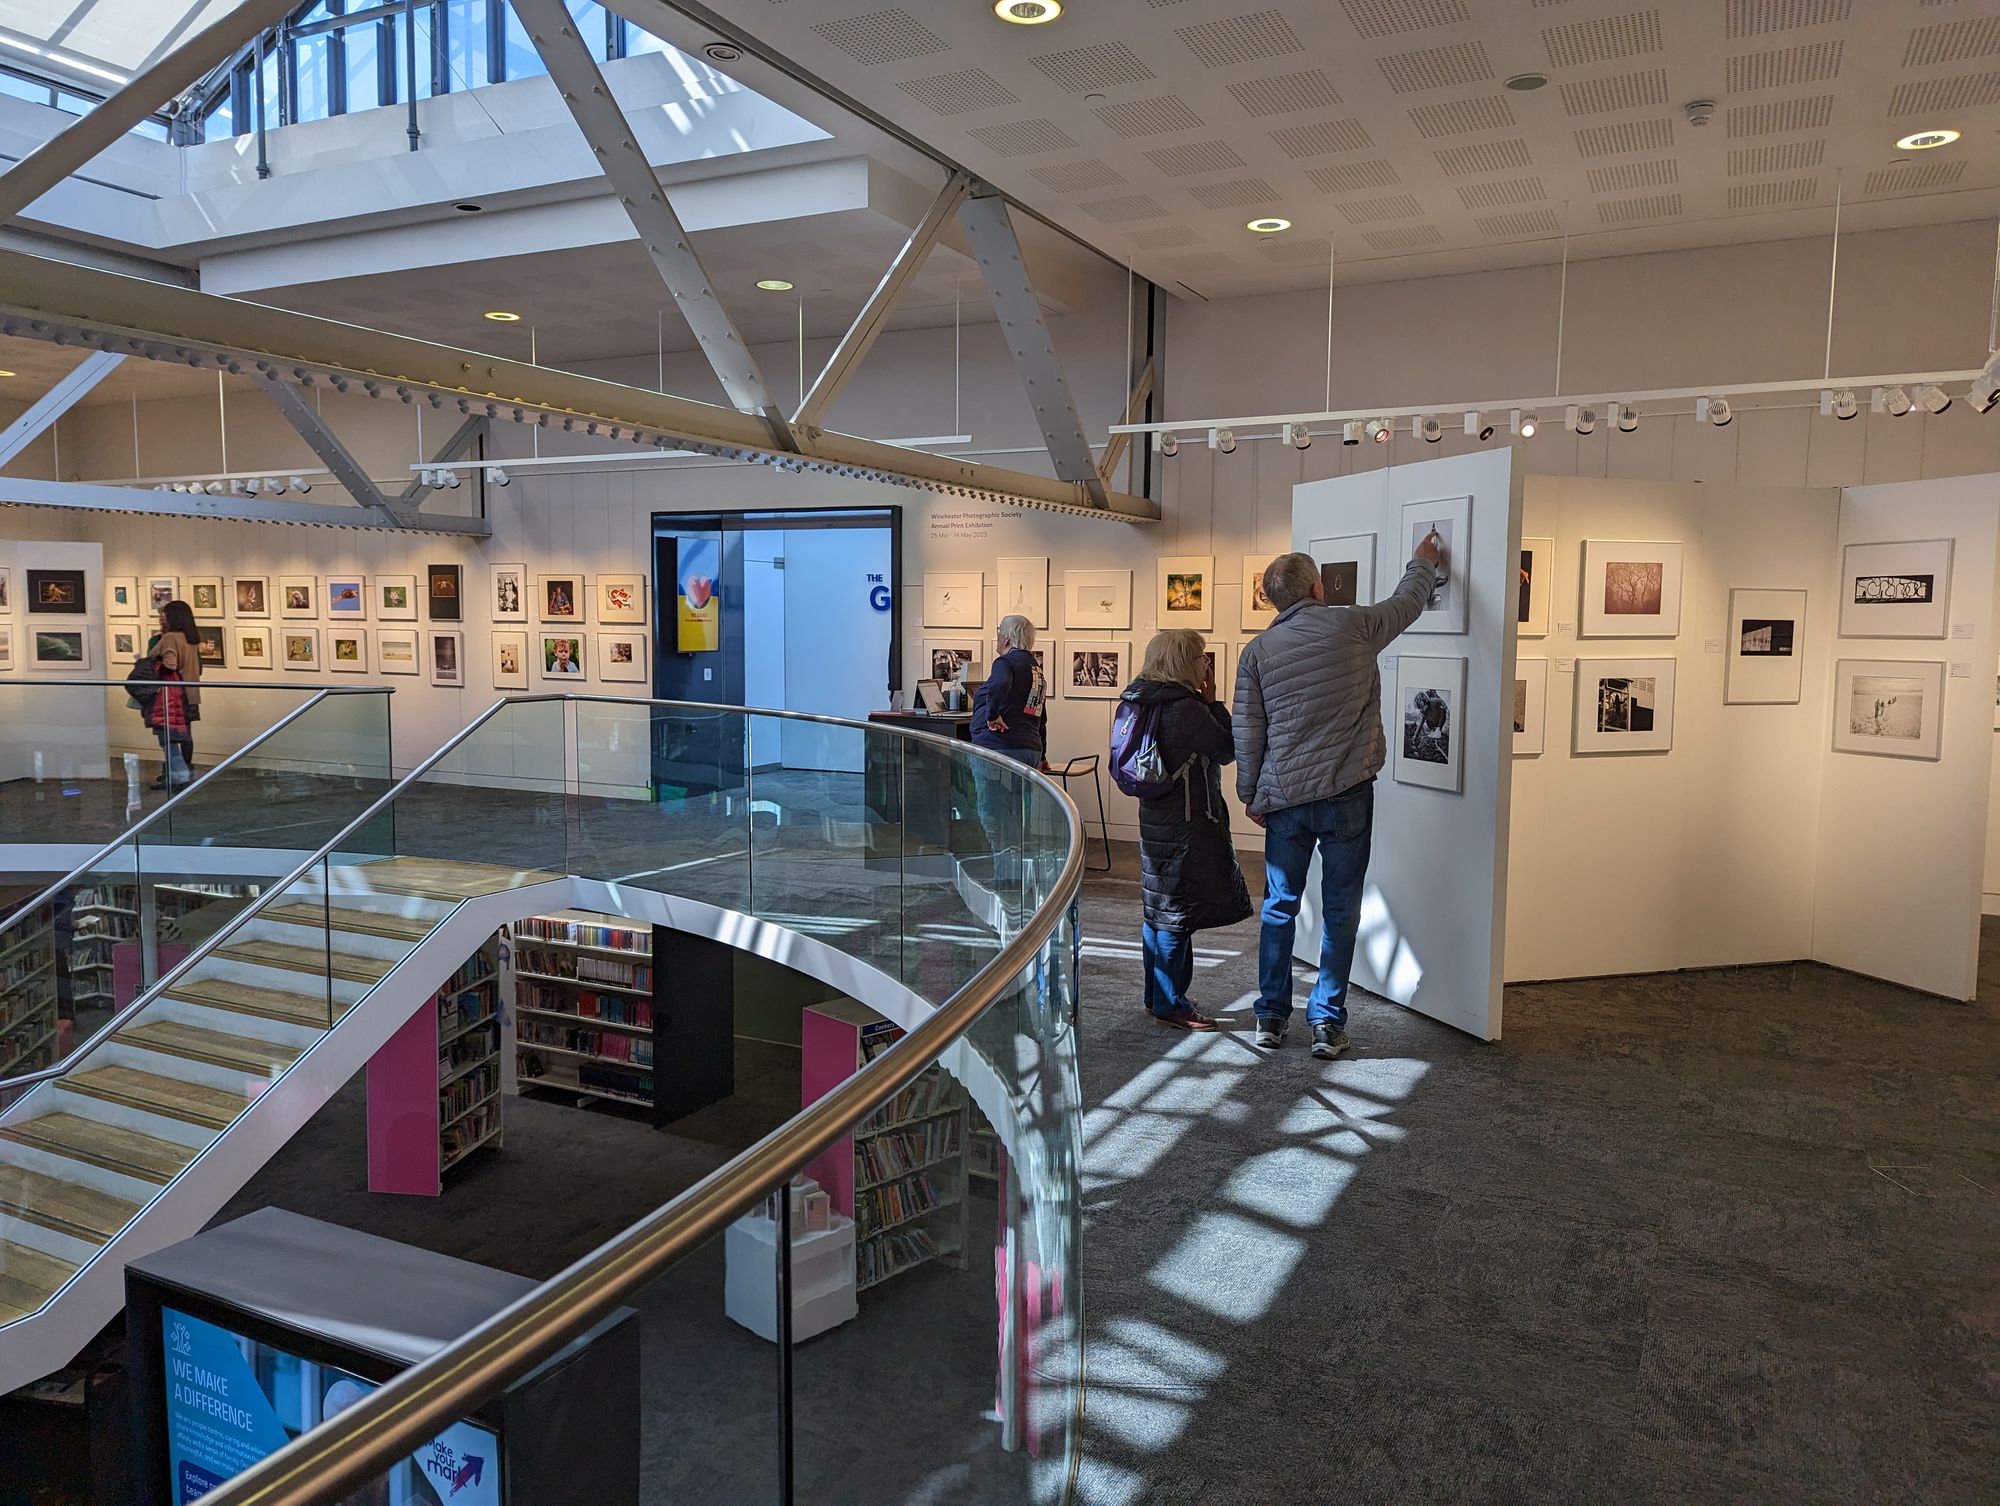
364, 63
22, 88
466, 33
522, 59
314, 63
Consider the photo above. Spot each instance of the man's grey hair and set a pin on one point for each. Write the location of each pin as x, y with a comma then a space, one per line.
1289, 579
1017, 630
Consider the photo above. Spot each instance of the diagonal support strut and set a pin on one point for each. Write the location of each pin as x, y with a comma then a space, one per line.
58, 400
333, 454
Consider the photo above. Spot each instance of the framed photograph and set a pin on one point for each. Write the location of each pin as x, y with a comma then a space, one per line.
396, 651
561, 598
121, 595
1624, 705
621, 599
510, 661
205, 597
944, 657
300, 647
60, 648
253, 596
253, 648
1531, 706
1097, 599
57, 593
1346, 569
1766, 648
562, 657
443, 601
1216, 656
510, 593
1538, 579
347, 650
161, 589
1892, 708
1024, 588
208, 646
1258, 613
1630, 590
346, 596
1451, 518
1185, 591
298, 597
1095, 671
955, 598
395, 598
1430, 705
125, 645
621, 657
7, 586
1895, 590
448, 658
7, 645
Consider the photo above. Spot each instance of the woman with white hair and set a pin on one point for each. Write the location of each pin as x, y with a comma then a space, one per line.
1007, 711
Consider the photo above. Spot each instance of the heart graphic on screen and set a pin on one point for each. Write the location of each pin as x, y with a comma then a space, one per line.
699, 589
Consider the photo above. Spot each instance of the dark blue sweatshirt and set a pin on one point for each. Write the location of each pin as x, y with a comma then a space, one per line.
1016, 693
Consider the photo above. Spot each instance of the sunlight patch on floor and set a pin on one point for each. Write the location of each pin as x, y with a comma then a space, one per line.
1293, 1184
1228, 1265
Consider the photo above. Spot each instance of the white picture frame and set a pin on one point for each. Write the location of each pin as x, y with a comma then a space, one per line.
1536, 586
1872, 710
250, 598
1875, 585
160, 589
396, 599
1624, 706
1024, 588
1531, 707
1257, 612
560, 667
253, 645
396, 649
347, 650
298, 598
621, 658
7, 590
1097, 599
122, 644
1451, 517
346, 598
1184, 591
1219, 653
967, 650
510, 661
121, 596
1095, 669
507, 594
621, 601
7, 646
1765, 647
58, 648
446, 651
1346, 568
204, 598
1427, 728
298, 649
560, 600
1631, 589
954, 599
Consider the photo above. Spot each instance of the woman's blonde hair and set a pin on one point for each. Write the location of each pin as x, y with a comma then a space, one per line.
1175, 655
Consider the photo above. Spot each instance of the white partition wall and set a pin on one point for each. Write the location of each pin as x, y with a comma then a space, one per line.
1434, 913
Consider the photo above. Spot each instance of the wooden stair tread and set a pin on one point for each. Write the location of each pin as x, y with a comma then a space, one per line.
248, 998
217, 1048
107, 1145
442, 878
195, 1103
28, 1278
351, 967
353, 919
67, 1207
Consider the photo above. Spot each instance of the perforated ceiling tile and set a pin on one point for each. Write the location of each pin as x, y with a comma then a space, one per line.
1914, 177
1603, 39
1240, 39
1405, 238
1435, 67
1149, 117
1349, 177
1234, 194
1504, 191
960, 93
1969, 91
1773, 193
1621, 177
1664, 206
1388, 18
1779, 157
1617, 91
1074, 177
1777, 116
1953, 42
1523, 222
1321, 138
1461, 117
1135, 206
1626, 137
1483, 157
1196, 263
1784, 67
882, 36
1316, 249
1194, 157
1757, 18
1018, 138
1081, 70
1163, 237
1283, 93
1395, 206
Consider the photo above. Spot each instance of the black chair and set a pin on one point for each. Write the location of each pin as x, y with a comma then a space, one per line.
1076, 768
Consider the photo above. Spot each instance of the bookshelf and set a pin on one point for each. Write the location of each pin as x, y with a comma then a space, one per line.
28, 1015
584, 1016
100, 918
434, 1089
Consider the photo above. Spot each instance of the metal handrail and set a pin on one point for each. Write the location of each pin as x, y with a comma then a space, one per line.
387, 1424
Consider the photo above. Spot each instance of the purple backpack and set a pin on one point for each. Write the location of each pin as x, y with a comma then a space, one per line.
1137, 765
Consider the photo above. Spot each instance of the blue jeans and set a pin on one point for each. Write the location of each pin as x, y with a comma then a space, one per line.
1341, 828
1169, 970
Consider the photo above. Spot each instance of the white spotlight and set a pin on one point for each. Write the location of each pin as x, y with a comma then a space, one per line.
450, 479
1714, 410
215, 488
1934, 398
1580, 420
1377, 429
1840, 405
1893, 401
1628, 418
1985, 389
1224, 440
1477, 426
1170, 445
1428, 429
1350, 432
1524, 423
1299, 435
251, 486
301, 485
275, 485
499, 477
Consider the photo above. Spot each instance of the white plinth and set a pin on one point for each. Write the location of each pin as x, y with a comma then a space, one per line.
822, 1277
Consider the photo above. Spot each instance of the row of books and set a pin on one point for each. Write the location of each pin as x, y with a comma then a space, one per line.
468, 1009
468, 1048
22, 966
899, 1151
478, 965
893, 1202
877, 1038
880, 1258
619, 1009
455, 1098
611, 1044
929, 1094
582, 933
552, 964
609, 1079
470, 1130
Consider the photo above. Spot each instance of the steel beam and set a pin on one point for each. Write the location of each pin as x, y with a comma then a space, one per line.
1135, 408
333, 454
874, 315
90, 496
991, 231
581, 82
461, 441
57, 401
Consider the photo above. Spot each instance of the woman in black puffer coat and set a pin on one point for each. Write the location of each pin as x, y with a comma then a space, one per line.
1188, 863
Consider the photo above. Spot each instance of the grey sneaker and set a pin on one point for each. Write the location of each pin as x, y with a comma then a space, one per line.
1271, 1033
1328, 1042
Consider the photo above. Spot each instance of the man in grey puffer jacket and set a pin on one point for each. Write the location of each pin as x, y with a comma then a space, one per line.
1309, 744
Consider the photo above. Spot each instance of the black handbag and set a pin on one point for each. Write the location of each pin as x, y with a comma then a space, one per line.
143, 684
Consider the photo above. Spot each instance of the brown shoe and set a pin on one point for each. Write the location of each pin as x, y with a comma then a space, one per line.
1188, 1019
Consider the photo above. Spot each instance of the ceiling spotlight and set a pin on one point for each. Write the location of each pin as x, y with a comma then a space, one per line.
1524, 423
503, 316
1580, 420
1477, 426
1715, 410
275, 485
1985, 388
499, 477
468, 208
1628, 418
774, 285
1028, 12
1428, 428
9, 373
1299, 435
1923, 141
721, 52
1270, 224
1377, 429
450, 479
1169, 444
1223, 440
1350, 432
1893, 401
301, 485
1840, 405
1934, 398
215, 488
251, 486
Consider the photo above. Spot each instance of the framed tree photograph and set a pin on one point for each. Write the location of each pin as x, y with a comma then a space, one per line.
252, 594
1024, 588
1896, 590
59, 648
1095, 671
1346, 568
396, 651
298, 597
121, 596
300, 647
57, 593
1097, 599
1624, 705
1531, 706
1427, 726
621, 599
161, 589
954, 599
443, 599
347, 650
395, 598
346, 596
562, 657
621, 658
208, 646
1451, 519
1185, 591
205, 597
510, 661
1766, 648
1537, 587
1258, 613
448, 659
561, 598
509, 599
1630, 589
1890, 708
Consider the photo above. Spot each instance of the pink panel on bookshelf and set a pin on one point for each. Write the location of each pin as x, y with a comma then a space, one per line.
127, 968
826, 1060
403, 1153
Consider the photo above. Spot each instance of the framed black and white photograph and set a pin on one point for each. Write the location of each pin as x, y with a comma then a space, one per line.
252, 595
1258, 613
1097, 599
954, 598
509, 602
204, 597
444, 593
1095, 671
1185, 592
1624, 705
121, 595
298, 597
1426, 727
943, 658
1346, 568
1531, 706
1766, 648
396, 598
396, 651
621, 601
510, 661
57, 593
347, 650
448, 658
560, 598
1536, 587
1897, 590
621, 658
1891, 708
59, 648
1630, 590
1451, 519
1024, 588
300, 648
208, 646
253, 648
7, 645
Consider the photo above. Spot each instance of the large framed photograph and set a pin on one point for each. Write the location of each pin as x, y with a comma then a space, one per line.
509, 600
1892, 708
945, 657
510, 661
347, 596
621, 658
1630, 590
1531, 706
396, 651
1346, 568
300, 647
59, 648
57, 593
1451, 519
955, 599
1430, 708
1185, 590
1095, 671
1097, 599
621, 600
1537, 585
1624, 705
1766, 647
253, 647
121, 595
298, 597
562, 657
444, 591
205, 597
1024, 588
396, 598
1258, 613
347, 650
448, 658
1899, 590
252, 595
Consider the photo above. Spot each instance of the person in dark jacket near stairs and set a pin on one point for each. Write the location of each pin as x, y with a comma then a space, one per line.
1186, 858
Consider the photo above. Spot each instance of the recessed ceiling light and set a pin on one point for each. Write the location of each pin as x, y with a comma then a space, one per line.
1522, 83
1919, 141
502, 316
9, 373
774, 285
721, 52
1027, 12
1270, 225
468, 208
